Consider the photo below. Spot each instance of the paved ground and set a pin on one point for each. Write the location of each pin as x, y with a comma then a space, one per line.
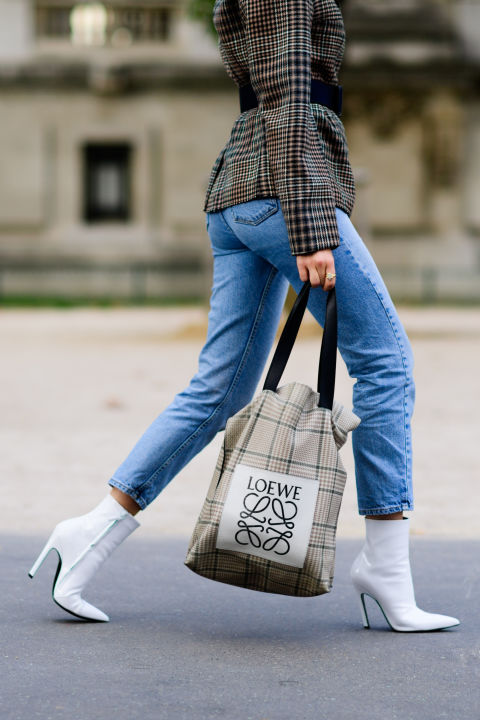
180, 646
78, 387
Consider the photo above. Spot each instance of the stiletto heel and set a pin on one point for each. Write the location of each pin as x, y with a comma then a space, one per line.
39, 561
363, 610
82, 544
382, 571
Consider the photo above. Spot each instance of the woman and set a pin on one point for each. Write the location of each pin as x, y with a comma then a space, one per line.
278, 204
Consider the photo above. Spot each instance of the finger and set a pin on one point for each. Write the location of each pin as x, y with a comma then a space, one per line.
315, 276
329, 283
321, 270
302, 271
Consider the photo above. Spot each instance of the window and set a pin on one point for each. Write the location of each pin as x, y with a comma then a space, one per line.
107, 23
107, 182
53, 21
142, 23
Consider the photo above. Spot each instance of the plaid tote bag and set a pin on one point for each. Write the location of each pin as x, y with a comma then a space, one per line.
269, 520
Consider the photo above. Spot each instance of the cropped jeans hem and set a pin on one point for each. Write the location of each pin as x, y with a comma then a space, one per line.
386, 510
141, 502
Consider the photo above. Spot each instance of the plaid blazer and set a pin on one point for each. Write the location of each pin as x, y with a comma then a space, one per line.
287, 147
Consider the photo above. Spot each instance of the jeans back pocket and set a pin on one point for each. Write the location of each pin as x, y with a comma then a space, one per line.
255, 211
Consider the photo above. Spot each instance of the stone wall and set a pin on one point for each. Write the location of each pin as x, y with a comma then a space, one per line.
412, 115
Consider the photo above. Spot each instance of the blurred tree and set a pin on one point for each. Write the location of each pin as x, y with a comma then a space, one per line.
202, 10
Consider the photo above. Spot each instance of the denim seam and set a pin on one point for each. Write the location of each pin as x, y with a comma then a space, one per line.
234, 382
386, 510
222, 218
113, 482
407, 382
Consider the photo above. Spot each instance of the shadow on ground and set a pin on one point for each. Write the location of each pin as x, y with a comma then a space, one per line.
180, 646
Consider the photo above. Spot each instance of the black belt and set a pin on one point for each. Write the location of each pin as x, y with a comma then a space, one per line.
328, 95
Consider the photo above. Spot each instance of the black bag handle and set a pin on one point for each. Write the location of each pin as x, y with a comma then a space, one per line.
328, 353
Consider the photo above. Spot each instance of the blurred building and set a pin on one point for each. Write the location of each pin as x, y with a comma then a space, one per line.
106, 144
113, 113
412, 114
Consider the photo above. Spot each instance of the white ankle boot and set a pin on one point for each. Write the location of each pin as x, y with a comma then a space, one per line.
82, 544
382, 571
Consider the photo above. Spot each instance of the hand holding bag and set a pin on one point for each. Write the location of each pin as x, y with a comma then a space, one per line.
269, 520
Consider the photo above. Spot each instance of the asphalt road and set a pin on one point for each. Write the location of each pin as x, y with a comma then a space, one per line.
180, 646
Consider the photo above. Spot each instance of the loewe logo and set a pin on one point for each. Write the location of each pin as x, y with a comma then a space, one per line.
268, 514
253, 520
261, 485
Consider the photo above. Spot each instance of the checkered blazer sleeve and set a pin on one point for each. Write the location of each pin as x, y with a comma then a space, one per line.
278, 37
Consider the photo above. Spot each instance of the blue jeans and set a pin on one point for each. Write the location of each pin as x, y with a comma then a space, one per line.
252, 267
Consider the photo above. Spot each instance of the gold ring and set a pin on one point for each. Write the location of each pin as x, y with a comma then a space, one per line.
330, 276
